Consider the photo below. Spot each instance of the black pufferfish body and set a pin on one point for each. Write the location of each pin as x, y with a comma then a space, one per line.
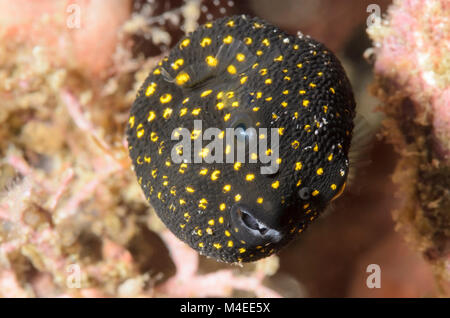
243, 72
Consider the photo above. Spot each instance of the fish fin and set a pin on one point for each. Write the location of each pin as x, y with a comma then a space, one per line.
361, 145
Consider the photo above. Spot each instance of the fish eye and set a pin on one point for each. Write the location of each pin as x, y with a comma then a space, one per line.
242, 125
305, 193
241, 133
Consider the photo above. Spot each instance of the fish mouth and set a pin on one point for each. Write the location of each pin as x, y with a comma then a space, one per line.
251, 228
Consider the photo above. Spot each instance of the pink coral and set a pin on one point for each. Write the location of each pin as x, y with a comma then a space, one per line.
412, 48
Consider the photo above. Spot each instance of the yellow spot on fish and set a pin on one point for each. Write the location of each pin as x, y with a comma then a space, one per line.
150, 89
268, 81
176, 65
230, 244
278, 59
237, 166
332, 90
227, 117
319, 171
237, 197
140, 131
260, 200
295, 144
316, 148
183, 166
333, 187
298, 166
215, 175
196, 111
266, 42
330, 157
190, 189
206, 93
182, 78
205, 42
315, 193
164, 99
243, 79
222, 206
184, 43
240, 57
204, 152
250, 177
201, 244
220, 105
305, 102
167, 113
276, 184
231, 69
217, 245
211, 61
195, 134
221, 220
248, 41
183, 112
242, 250
259, 52
131, 121
299, 65
230, 23
228, 39
211, 222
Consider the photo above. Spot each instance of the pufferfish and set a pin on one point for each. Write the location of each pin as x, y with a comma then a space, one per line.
242, 72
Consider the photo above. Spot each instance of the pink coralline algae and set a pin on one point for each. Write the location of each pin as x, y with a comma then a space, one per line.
412, 67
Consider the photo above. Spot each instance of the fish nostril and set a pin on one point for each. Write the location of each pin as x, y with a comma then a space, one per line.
253, 229
253, 223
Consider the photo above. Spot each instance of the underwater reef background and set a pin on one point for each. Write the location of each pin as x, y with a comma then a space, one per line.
70, 203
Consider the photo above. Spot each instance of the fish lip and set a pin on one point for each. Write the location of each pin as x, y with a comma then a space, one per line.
258, 233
